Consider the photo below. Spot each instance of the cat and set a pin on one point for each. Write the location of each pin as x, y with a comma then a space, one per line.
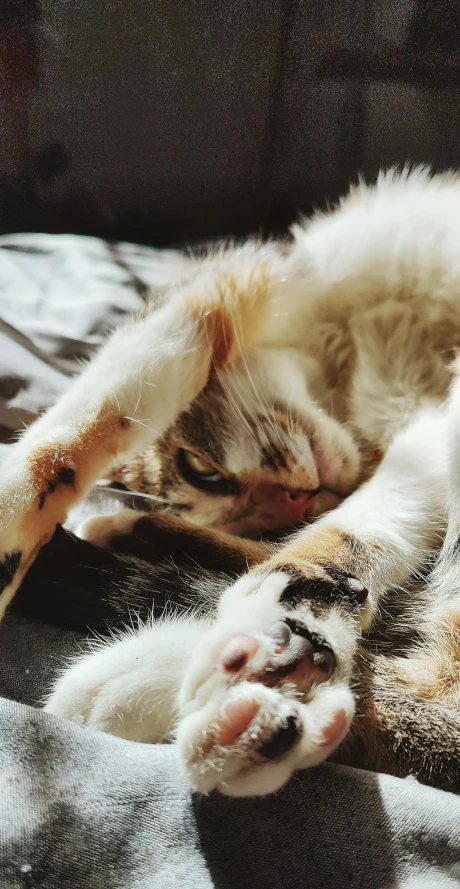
308, 384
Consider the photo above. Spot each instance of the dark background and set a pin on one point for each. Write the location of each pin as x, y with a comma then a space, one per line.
165, 121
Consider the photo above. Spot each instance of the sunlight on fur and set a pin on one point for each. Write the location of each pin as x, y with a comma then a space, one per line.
306, 387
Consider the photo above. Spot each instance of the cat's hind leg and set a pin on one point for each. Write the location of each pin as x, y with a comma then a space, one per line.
399, 731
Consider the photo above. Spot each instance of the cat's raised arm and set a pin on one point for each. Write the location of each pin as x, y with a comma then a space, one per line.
146, 374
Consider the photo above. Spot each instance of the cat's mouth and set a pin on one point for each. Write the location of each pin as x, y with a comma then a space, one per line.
277, 506
273, 509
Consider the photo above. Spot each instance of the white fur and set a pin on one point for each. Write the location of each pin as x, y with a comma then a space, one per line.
375, 279
128, 686
402, 510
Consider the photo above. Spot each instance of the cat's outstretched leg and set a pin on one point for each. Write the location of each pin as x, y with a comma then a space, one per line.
149, 371
156, 536
268, 690
129, 687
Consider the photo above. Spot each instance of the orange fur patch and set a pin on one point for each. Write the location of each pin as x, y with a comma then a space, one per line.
323, 545
434, 673
94, 445
232, 311
446, 657
101, 436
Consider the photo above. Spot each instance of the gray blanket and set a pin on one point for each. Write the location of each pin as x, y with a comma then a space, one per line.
79, 809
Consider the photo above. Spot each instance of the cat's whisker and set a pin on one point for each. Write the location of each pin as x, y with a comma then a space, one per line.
139, 398
257, 391
227, 390
141, 423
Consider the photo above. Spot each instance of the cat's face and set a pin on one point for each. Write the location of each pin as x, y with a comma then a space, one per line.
253, 453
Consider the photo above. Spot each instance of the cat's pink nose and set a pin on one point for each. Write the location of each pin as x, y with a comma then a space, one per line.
296, 503
286, 505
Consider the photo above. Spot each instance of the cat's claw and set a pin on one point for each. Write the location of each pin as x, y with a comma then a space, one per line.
267, 692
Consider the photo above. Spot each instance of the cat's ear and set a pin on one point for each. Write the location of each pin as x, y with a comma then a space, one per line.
232, 309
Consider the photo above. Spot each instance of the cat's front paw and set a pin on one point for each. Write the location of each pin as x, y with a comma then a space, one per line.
268, 689
35, 489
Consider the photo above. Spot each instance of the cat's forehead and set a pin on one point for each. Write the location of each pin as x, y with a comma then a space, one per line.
279, 445
243, 420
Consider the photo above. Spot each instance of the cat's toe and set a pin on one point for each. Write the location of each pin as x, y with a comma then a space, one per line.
259, 736
291, 651
257, 705
97, 530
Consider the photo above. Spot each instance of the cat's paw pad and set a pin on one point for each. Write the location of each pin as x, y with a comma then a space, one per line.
257, 705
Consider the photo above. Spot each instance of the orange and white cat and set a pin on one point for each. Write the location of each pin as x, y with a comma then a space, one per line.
275, 384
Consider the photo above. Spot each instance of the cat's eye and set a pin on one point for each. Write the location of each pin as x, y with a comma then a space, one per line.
200, 466
202, 474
